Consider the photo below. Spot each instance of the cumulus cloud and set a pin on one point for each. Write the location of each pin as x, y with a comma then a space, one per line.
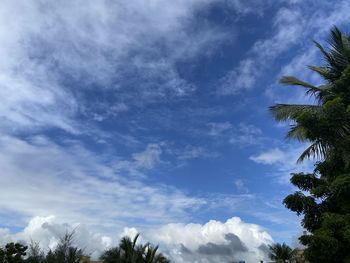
47, 231
214, 241
211, 242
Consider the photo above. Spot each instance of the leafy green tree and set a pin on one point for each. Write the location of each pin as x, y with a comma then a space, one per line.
281, 253
324, 196
12, 253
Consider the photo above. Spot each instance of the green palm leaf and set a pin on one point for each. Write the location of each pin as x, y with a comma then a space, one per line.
317, 149
317, 92
285, 112
297, 132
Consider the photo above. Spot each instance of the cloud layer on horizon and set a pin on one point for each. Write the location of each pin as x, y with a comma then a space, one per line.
211, 242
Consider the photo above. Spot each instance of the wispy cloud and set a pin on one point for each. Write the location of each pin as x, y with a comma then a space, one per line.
293, 25
288, 28
56, 54
241, 134
218, 128
190, 152
240, 186
85, 189
316, 28
144, 160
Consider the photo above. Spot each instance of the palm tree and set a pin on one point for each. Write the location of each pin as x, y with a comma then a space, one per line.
334, 73
151, 255
129, 252
281, 253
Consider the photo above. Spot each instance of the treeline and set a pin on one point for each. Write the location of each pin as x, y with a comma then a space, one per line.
128, 251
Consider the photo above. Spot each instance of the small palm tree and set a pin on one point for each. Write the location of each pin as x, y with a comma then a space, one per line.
336, 69
129, 252
281, 253
151, 255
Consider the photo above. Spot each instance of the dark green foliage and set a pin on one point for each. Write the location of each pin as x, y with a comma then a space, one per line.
280, 253
65, 252
126, 252
129, 252
35, 254
13, 253
324, 199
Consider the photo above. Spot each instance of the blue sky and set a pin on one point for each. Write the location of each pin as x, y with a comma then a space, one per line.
151, 116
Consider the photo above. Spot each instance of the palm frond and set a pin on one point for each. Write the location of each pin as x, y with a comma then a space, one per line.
135, 240
317, 149
324, 72
311, 89
290, 80
339, 47
284, 112
297, 132
328, 57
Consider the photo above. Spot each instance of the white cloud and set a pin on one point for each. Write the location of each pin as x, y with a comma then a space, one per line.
293, 26
144, 160
288, 28
88, 189
53, 52
241, 134
233, 239
284, 161
47, 231
149, 157
249, 6
246, 135
271, 156
43, 178
193, 152
317, 28
214, 241
217, 128
240, 186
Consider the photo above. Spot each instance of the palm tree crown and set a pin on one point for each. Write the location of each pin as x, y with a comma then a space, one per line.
336, 74
129, 252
